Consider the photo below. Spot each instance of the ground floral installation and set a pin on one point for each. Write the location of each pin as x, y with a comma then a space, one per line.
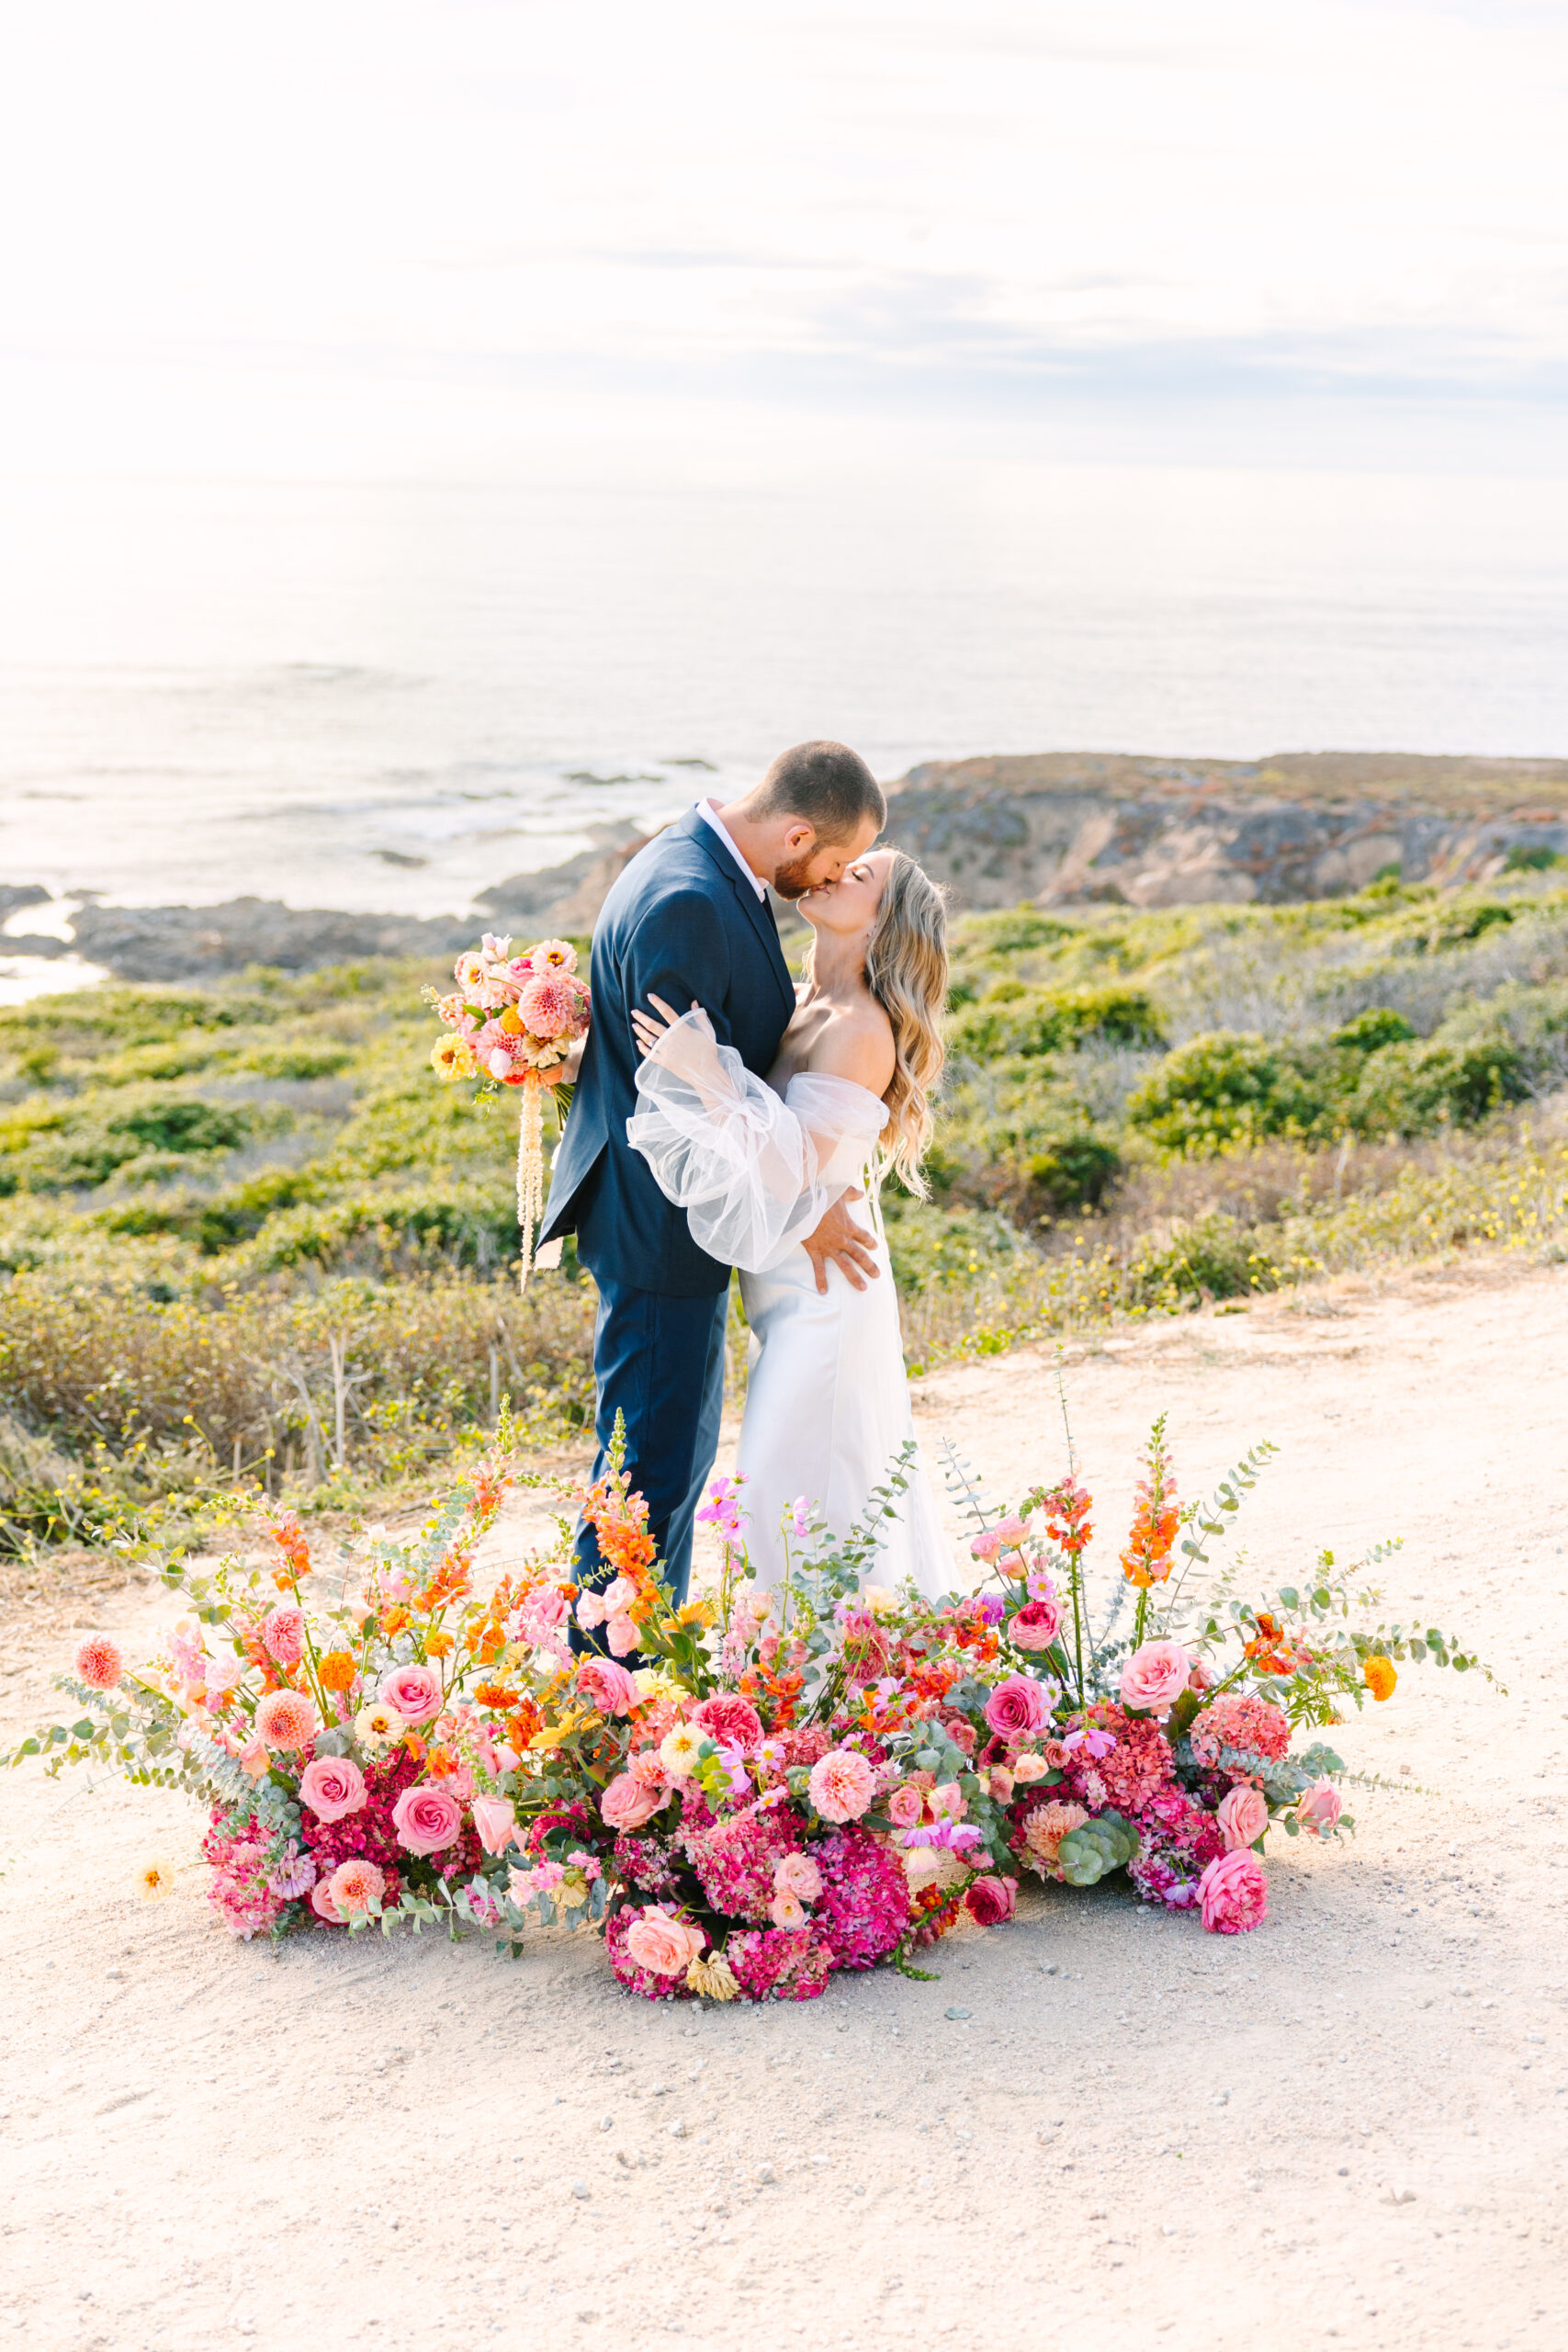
512, 1020
782, 1784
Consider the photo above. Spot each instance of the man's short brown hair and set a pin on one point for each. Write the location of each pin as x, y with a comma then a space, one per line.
827, 785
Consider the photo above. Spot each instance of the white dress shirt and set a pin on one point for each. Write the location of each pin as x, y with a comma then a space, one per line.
706, 808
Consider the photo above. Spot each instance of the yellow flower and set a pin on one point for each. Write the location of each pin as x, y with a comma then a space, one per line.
155, 1879
695, 1613
880, 1599
656, 1682
511, 1021
451, 1058
572, 1890
713, 1980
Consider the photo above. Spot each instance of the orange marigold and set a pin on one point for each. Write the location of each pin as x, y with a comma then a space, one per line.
439, 1646
394, 1619
337, 1671
1379, 1675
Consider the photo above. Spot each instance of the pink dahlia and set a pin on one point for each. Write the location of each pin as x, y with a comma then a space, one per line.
864, 1904
842, 1784
287, 1720
98, 1663
283, 1635
547, 1005
356, 1885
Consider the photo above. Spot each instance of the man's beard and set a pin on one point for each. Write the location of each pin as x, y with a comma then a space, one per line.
793, 881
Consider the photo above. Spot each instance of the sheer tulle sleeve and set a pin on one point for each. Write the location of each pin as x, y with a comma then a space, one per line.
754, 1172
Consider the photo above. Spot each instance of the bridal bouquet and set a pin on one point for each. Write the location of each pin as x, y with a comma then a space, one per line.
511, 1021
784, 1785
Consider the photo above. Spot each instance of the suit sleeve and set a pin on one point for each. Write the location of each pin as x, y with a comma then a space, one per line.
680, 951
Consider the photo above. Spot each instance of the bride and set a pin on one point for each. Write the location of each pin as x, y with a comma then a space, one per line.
756, 1166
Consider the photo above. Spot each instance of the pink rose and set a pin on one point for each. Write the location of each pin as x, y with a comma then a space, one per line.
730, 1720
590, 1610
1035, 1626
798, 1875
620, 1632
607, 1686
948, 1803
786, 1910
663, 1944
1000, 1784
986, 1546
495, 1818
1017, 1708
961, 1733
627, 1803
99, 1663
905, 1807
428, 1817
324, 1907
1233, 1893
283, 1635
331, 1786
541, 1615
990, 1900
413, 1690
842, 1784
1154, 1677
1319, 1808
1009, 1529
1243, 1815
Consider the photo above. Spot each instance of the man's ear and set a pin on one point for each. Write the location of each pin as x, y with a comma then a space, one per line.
799, 836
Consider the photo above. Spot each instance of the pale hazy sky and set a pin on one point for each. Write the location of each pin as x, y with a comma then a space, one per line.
416, 231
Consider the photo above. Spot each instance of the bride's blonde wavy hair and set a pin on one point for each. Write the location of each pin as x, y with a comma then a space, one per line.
906, 970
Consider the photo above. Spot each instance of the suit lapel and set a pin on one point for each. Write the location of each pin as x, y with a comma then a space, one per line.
758, 911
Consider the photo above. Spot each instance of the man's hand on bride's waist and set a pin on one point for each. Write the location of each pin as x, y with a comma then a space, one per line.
839, 1241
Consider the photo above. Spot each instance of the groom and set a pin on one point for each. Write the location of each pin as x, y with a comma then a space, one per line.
689, 921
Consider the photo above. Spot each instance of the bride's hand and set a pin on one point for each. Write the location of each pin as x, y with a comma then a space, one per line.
650, 1033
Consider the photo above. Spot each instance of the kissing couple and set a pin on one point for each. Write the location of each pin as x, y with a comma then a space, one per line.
727, 1117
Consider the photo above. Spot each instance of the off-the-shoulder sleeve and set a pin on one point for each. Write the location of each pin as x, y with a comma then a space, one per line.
754, 1173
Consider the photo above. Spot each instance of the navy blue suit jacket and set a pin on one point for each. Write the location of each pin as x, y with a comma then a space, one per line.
682, 923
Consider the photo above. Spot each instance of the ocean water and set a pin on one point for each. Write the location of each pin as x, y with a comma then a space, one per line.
389, 694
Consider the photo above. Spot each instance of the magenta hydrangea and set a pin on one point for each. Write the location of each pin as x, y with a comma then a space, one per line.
243, 1855
780, 1963
735, 1860
864, 1905
644, 1863
1177, 1840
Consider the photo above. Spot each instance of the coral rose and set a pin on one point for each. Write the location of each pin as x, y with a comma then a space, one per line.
1243, 1816
324, 1907
627, 1803
905, 1807
1154, 1677
990, 1900
286, 1719
1233, 1893
98, 1663
495, 1818
415, 1690
427, 1817
733, 1721
1018, 1707
662, 1944
842, 1784
355, 1885
1035, 1626
1320, 1808
283, 1635
1029, 1766
331, 1786
607, 1686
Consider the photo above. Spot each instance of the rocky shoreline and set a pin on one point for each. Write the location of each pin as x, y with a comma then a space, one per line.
1056, 828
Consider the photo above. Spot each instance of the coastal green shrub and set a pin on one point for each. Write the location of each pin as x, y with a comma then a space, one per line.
1224, 1088
1012, 1019
1407, 1090
1377, 1026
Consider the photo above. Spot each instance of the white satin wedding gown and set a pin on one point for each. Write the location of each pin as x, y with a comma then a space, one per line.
826, 1402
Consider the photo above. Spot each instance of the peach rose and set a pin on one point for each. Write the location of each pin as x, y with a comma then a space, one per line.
620, 1632
415, 1690
627, 1803
662, 1944
324, 1907
427, 1818
1154, 1677
1319, 1808
786, 1910
1001, 1784
798, 1875
495, 1818
607, 1687
842, 1784
1243, 1816
905, 1807
331, 1786
1028, 1767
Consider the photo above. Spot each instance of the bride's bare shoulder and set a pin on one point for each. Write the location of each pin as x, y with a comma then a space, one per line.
856, 1045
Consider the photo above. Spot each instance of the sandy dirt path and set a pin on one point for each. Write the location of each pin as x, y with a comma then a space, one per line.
1346, 2128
